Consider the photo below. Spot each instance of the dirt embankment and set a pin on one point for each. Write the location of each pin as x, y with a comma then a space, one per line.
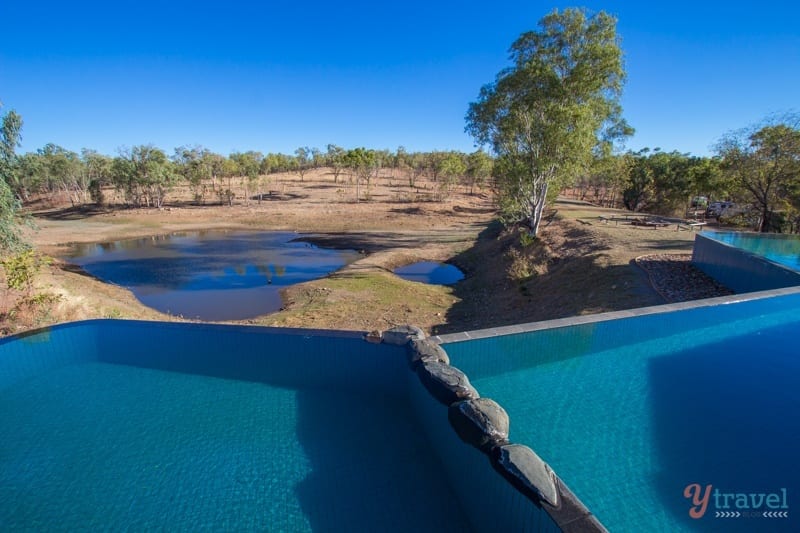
577, 266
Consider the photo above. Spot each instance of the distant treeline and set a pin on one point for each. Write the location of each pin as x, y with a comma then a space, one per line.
144, 175
758, 168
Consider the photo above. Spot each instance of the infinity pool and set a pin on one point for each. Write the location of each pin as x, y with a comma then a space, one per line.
783, 249
126, 425
178, 428
629, 412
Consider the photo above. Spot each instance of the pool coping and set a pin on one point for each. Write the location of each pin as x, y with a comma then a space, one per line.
612, 315
340, 333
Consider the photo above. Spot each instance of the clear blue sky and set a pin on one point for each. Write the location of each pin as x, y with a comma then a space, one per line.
272, 76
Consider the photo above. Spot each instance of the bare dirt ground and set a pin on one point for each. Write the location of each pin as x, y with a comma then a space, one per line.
578, 266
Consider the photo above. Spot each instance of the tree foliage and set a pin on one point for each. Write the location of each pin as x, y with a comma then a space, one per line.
10, 237
479, 169
362, 163
451, 168
144, 174
764, 161
545, 115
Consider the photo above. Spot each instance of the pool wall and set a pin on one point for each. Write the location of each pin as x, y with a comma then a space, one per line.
738, 269
395, 364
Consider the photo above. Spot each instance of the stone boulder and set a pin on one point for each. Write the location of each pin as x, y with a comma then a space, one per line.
401, 335
527, 473
481, 423
445, 383
420, 350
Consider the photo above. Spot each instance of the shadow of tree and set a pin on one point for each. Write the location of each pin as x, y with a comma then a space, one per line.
71, 213
578, 281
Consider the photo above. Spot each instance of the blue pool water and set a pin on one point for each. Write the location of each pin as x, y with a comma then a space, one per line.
112, 425
210, 275
629, 412
783, 249
430, 272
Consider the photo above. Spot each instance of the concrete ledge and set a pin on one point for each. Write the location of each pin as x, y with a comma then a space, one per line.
605, 317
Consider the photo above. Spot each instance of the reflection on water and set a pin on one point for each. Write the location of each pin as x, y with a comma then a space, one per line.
430, 272
783, 249
210, 275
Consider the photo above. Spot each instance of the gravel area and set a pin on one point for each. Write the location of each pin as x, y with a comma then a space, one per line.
676, 279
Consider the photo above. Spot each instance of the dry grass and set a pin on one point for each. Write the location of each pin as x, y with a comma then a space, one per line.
574, 268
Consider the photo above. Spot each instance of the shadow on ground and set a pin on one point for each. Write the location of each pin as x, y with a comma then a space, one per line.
672, 244
578, 279
71, 213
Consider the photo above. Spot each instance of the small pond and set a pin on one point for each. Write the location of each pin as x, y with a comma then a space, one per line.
430, 272
210, 275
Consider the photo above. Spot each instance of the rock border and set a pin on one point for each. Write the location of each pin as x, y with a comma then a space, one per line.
484, 424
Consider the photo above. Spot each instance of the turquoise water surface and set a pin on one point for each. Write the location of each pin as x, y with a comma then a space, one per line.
629, 412
783, 249
186, 428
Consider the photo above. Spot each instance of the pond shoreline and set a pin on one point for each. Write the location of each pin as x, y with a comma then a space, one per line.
209, 275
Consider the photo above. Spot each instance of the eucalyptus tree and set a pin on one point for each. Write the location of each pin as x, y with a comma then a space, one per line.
98, 173
144, 174
334, 157
418, 165
640, 189
671, 181
764, 161
317, 158
10, 236
545, 115
479, 169
277, 162
227, 170
248, 166
29, 177
361, 163
608, 176
384, 159
63, 170
196, 165
708, 179
450, 168
303, 158
434, 163
401, 159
